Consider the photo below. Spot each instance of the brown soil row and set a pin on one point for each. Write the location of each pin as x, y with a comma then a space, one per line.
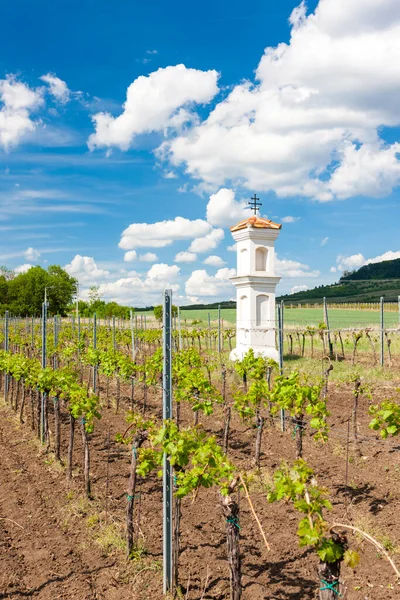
54, 544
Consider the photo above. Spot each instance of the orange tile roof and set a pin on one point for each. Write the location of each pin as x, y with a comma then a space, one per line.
257, 222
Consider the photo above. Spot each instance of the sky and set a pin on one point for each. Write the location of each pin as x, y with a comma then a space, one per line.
132, 135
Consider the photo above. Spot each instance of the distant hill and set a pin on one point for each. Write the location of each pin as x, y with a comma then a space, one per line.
366, 284
388, 269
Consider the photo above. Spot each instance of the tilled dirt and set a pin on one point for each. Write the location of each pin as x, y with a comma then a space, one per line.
56, 544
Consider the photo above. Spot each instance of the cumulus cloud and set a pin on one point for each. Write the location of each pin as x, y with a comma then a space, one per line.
293, 268
163, 272
208, 242
185, 257
58, 87
162, 233
232, 248
306, 126
223, 209
85, 269
147, 289
32, 254
148, 257
130, 256
200, 283
214, 261
22, 268
18, 101
152, 104
355, 261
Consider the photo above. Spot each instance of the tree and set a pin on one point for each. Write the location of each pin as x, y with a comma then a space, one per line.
7, 273
26, 291
61, 290
96, 304
3, 290
158, 312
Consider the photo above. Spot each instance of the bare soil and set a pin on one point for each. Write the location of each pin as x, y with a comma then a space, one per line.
55, 544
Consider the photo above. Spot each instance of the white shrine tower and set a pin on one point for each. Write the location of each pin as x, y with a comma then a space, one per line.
255, 284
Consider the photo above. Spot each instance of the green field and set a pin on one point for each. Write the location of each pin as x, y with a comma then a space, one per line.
338, 318
227, 314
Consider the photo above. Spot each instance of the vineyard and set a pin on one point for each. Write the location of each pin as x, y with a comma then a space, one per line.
285, 484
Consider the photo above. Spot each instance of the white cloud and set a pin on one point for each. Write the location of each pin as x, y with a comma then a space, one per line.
355, 261
137, 290
22, 268
293, 268
348, 263
214, 261
148, 257
151, 103
232, 248
333, 270
58, 87
299, 288
202, 284
130, 256
163, 272
185, 257
32, 254
18, 102
324, 241
162, 233
208, 242
223, 209
307, 126
290, 219
85, 269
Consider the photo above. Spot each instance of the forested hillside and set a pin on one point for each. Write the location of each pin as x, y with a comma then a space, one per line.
366, 284
388, 269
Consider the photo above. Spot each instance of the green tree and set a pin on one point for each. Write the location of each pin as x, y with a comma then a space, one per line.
6, 273
158, 312
26, 291
61, 290
96, 304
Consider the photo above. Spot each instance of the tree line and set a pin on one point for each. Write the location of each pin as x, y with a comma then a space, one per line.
23, 294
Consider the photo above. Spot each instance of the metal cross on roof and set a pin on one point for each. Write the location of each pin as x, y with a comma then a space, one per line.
254, 204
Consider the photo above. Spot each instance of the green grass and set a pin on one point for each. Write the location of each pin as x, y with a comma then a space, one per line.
338, 317
227, 314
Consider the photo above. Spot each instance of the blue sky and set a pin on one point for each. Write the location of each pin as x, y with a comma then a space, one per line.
296, 102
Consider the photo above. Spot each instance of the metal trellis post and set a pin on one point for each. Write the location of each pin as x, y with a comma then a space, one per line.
43, 402
55, 333
132, 336
94, 346
219, 329
167, 471
79, 334
6, 349
280, 351
326, 320
179, 329
382, 332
